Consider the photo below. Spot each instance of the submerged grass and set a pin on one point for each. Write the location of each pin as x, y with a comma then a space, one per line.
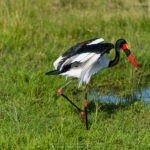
32, 35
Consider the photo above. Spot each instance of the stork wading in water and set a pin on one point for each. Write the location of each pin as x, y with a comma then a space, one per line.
86, 59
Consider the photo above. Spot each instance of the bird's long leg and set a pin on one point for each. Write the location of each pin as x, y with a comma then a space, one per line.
60, 92
85, 106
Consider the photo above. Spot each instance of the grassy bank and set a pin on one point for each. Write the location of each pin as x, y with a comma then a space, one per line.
32, 35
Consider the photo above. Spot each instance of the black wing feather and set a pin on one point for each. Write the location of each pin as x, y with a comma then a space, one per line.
74, 49
100, 48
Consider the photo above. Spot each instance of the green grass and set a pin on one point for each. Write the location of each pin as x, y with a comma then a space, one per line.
32, 35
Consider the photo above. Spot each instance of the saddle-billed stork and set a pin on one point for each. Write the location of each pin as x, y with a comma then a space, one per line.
84, 60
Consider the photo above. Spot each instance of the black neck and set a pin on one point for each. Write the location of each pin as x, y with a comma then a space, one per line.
116, 59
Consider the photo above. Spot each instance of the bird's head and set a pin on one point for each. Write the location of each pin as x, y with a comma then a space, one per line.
122, 44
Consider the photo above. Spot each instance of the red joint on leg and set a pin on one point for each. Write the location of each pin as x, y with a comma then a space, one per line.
59, 91
85, 103
82, 115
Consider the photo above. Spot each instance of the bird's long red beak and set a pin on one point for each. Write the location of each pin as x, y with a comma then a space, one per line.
128, 53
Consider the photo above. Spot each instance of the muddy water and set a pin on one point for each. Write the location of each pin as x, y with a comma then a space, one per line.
113, 96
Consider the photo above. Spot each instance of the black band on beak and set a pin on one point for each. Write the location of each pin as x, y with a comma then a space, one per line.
127, 52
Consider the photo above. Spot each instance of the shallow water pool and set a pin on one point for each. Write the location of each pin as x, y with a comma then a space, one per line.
113, 96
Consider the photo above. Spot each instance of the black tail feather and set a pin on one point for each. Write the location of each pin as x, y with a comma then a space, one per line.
55, 72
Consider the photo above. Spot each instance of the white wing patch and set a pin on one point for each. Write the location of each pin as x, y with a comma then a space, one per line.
100, 64
96, 41
85, 62
86, 74
57, 62
77, 58
83, 57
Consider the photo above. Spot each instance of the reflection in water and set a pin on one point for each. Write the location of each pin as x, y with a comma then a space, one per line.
139, 94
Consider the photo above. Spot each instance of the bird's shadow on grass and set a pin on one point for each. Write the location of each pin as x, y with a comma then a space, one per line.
110, 108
